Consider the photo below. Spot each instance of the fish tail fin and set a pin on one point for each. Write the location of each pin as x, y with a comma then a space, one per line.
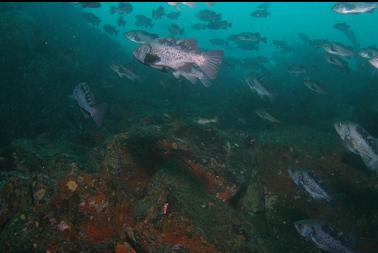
213, 60
98, 113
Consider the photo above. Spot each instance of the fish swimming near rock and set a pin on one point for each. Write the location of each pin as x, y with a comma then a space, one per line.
323, 235
123, 71
263, 114
304, 179
256, 86
358, 141
173, 54
206, 121
314, 86
86, 101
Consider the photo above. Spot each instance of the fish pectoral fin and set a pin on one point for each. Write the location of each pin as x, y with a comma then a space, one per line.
151, 59
186, 67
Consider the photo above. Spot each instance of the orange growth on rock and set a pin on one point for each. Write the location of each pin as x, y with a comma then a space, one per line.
98, 231
197, 170
124, 248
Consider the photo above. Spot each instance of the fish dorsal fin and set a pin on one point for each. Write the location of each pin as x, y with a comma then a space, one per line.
151, 59
189, 44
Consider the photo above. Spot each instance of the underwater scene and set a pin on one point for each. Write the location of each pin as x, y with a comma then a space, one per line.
189, 127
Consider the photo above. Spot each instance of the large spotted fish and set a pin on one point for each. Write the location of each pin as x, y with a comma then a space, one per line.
171, 54
85, 99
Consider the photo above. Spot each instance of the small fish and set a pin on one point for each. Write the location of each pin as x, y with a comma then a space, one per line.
142, 20
121, 22
347, 31
91, 18
87, 103
111, 29
255, 85
360, 142
123, 71
121, 9
158, 13
368, 52
305, 38
296, 69
263, 114
338, 49
173, 15
219, 25
338, 62
192, 74
140, 36
309, 183
248, 37
205, 121
314, 86
323, 235
175, 30
169, 53
90, 4
341, 26
354, 7
262, 13
208, 16
282, 45
177, 4
374, 62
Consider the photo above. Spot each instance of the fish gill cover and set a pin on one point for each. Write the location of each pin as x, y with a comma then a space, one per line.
188, 127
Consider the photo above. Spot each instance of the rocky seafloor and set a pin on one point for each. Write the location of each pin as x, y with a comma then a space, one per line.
224, 191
